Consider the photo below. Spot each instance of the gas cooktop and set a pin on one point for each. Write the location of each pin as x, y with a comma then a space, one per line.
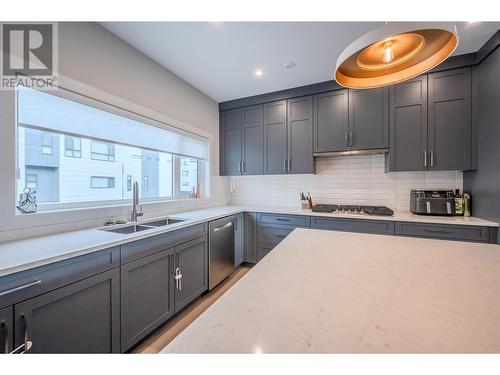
353, 209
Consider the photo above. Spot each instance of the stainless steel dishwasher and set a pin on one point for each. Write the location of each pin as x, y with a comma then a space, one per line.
220, 250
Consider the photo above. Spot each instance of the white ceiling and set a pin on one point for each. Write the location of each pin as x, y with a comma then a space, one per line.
220, 58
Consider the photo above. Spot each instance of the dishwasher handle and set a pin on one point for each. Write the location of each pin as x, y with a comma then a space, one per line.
227, 225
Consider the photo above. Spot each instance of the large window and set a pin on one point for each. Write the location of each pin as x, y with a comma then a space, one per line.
95, 156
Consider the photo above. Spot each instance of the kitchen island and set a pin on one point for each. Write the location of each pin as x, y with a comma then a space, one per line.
335, 292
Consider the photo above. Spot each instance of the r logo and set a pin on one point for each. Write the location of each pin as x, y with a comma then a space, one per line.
28, 49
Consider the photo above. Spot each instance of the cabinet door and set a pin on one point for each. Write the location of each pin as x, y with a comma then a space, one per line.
331, 111
239, 237
275, 153
230, 142
450, 123
408, 126
79, 318
147, 298
369, 119
253, 140
300, 136
250, 248
191, 259
6, 330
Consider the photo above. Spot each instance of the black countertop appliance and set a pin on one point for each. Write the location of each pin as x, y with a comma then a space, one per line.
432, 202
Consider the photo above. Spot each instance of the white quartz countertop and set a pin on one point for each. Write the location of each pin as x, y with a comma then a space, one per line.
21, 255
335, 292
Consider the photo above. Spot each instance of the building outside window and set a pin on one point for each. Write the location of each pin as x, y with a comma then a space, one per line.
46, 143
102, 151
31, 181
99, 182
72, 147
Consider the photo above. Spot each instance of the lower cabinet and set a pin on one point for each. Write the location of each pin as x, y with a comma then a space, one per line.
79, 318
147, 297
250, 238
191, 262
239, 237
354, 225
6, 330
157, 286
469, 233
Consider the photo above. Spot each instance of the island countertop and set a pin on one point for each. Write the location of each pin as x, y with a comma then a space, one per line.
335, 292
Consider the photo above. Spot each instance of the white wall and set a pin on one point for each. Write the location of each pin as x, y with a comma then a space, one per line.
343, 180
94, 62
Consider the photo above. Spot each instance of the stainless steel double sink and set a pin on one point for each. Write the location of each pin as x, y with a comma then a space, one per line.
134, 228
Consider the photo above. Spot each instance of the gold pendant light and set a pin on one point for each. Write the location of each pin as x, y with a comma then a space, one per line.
394, 53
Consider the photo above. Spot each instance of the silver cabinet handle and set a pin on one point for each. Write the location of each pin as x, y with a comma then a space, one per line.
288, 164
5, 331
227, 225
432, 158
284, 165
282, 219
346, 136
425, 158
350, 138
242, 166
21, 287
178, 278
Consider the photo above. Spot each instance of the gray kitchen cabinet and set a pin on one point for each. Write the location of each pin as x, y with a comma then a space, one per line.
250, 237
252, 160
275, 138
408, 126
6, 330
83, 317
449, 120
300, 136
331, 121
470, 233
230, 142
191, 262
354, 225
239, 238
369, 119
147, 296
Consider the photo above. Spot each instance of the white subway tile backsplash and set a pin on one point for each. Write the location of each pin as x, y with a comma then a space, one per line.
348, 180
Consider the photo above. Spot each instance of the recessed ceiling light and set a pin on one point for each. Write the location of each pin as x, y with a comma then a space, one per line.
259, 72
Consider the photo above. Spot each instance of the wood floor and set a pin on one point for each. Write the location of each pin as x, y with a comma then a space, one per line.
165, 334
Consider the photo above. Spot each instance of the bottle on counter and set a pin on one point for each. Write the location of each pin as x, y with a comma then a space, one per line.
459, 203
467, 204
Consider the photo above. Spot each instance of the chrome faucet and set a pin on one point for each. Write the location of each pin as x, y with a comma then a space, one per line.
136, 207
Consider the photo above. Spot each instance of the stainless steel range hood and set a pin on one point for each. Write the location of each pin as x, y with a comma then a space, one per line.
351, 153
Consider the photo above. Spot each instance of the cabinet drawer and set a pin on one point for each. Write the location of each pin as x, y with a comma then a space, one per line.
444, 231
354, 225
26, 284
138, 249
271, 235
293, 220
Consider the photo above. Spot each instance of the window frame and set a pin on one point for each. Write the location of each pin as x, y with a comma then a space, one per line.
72, 150
108, 178
109, 157
47, 145
94, 97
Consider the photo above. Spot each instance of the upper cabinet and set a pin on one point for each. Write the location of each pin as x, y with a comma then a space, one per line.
331, 121
431, 123
300, 136
275, 154
408, 126
449, 120
288, 136
424, 123
347, 120
241, 141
